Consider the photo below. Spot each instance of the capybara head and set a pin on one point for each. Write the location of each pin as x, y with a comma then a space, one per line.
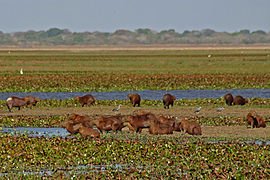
135, 99
228, 99
168, 100
239, 100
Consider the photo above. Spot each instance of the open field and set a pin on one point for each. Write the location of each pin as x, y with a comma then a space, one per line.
106, 70
223, 151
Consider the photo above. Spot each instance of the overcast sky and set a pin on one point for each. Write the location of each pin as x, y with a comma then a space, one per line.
110, 15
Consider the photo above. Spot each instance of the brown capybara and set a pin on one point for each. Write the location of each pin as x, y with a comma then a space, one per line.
14, 101
87, 131
168, 100
228, 99
76, 119
261, 121
169, 120
157, 127
135, 99
251, 120
108, 123
190, 127
69, 126
239, 100
31, 100
86, 100
138, 122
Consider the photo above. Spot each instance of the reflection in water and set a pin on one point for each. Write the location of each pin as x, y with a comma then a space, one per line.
147, 94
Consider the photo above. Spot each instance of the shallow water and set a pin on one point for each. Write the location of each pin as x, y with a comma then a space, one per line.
61, 132
146, 94
37, 132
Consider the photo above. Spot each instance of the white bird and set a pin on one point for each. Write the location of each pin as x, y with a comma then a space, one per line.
219, 109
117, 108
198, 109
21, 71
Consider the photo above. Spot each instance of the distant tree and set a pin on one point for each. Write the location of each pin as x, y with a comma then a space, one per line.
145, 31
208, 32
54, 32
259, 32
244, 31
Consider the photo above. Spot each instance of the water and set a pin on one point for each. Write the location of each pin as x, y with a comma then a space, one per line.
62, 132
146, 94
37, 132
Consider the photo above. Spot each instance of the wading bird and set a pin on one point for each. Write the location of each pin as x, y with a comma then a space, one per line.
219, 109
21, 71
198, 109
117, 108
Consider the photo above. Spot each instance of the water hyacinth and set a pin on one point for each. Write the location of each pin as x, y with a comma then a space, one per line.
144, 156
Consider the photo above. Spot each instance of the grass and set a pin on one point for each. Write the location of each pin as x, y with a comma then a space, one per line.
120, 70
144, 62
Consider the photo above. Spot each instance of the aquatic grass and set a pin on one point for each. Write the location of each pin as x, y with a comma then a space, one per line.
120, 81
85, 71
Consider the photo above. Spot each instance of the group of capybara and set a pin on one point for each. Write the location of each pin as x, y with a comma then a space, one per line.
135, 99
155, 124
161, 124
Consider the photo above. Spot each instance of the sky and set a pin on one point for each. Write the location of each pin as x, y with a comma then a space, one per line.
111, 15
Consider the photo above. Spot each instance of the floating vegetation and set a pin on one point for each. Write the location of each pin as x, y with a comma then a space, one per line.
132, 157
121, 82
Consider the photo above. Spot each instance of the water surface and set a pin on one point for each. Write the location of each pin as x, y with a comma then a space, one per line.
146, 94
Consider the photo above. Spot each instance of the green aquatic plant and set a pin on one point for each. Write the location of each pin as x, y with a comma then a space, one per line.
141, 156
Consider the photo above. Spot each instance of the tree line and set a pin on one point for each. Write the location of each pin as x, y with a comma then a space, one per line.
56, 36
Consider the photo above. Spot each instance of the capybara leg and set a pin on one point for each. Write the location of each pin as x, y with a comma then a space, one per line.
252, 124
9, 108
139, 130
131, 128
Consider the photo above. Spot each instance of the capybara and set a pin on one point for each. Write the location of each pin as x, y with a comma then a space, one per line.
190, 127
138, 122
87, 131
69, 125
168, 100
135, 99
261, 121
239, 100
14, 101
108, 123
251, 120
76, 119
86, 100
157, 127
169, 120
228, 99
31, 100
255, 120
